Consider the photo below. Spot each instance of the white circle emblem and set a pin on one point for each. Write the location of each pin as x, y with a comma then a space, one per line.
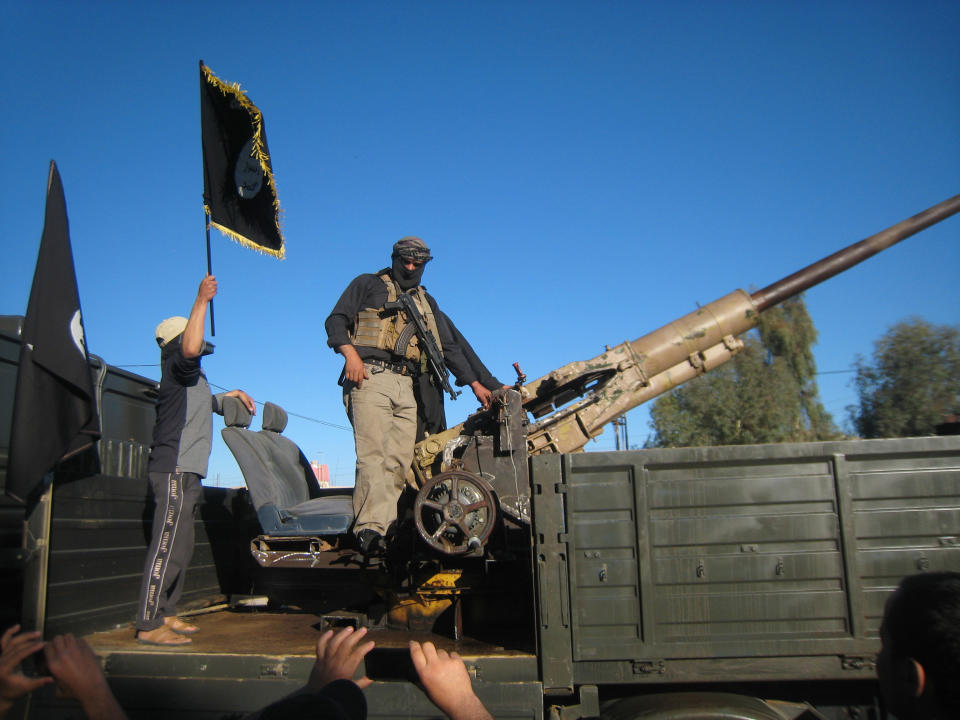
76, 332
247, 174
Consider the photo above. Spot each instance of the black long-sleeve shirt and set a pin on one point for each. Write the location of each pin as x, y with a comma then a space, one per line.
431, 417
486, 378
369, 291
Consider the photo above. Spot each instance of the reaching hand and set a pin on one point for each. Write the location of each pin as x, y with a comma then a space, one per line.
338, 657
13, 683
444, 676
483, 394
245, 399
78, 675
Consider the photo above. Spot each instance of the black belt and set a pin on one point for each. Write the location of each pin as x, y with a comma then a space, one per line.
397, 367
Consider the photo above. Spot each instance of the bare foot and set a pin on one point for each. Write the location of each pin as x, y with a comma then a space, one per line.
179, 626
162, 635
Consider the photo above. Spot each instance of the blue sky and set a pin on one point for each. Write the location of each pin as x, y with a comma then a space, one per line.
584, 172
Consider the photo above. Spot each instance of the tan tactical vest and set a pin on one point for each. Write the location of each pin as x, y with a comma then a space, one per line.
389, 330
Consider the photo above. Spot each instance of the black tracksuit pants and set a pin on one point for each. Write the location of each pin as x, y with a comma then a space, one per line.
170, 551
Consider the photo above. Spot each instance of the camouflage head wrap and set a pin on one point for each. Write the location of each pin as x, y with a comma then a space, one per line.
412, 248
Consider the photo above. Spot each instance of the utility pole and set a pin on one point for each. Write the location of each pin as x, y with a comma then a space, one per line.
620, 427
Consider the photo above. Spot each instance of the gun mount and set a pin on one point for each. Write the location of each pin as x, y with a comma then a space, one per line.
561, 411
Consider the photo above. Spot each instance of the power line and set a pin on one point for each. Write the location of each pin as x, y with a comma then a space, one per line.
292, 414
223, 389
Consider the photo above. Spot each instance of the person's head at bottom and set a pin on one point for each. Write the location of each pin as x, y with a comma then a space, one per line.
919, 662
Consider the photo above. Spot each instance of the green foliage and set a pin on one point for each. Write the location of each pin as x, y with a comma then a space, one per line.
913, 382
767, 393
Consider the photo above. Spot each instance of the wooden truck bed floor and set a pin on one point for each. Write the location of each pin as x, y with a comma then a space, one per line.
276, 634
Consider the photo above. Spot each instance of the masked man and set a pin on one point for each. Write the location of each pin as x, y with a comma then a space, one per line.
378, 379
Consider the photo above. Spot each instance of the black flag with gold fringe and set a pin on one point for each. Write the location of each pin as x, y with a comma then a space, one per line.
239, 193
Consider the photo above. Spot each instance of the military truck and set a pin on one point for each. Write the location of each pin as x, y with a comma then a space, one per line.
732, 582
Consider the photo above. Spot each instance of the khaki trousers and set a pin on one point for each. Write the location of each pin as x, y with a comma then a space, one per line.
383, 413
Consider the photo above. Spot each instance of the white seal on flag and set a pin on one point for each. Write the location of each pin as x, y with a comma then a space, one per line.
247, 174
76, 332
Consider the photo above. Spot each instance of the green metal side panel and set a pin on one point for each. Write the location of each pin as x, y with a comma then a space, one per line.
99, 537
680, 558
11, 512
101, 516
906, 516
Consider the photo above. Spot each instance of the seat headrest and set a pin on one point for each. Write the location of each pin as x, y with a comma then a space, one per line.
274, 418
235, 413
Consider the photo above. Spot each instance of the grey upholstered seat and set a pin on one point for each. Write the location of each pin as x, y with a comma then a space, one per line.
280, 479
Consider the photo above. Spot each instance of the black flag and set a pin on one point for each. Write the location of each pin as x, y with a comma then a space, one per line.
239, 193
54, 412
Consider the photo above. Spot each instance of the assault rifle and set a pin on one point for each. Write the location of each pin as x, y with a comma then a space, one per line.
416, 324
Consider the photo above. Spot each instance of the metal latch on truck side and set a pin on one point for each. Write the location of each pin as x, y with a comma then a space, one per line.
852, 662
649, 667
274, 670
589, 706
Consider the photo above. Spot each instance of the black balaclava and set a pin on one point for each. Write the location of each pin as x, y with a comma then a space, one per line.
409, 248
406, 279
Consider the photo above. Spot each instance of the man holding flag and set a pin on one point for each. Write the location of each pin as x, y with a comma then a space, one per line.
182, 436
240, 201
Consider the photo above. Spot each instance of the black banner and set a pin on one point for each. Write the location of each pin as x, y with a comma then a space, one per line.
54, 411
239, 193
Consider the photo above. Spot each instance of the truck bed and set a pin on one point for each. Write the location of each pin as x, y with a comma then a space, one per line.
242, 660
278, 634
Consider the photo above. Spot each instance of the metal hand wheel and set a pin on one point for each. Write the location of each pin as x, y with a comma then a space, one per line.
455, 512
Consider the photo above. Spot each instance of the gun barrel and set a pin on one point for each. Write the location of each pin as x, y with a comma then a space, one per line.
572, 403
851, 255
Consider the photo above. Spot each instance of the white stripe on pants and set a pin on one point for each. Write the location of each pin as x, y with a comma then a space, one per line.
171, 548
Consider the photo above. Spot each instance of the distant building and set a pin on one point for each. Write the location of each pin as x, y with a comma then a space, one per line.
950, 425
322, 472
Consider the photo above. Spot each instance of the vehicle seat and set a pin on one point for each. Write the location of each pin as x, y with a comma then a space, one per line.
276, 474
272, 425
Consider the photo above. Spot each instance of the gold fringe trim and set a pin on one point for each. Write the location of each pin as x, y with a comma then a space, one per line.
233, 90
243, 240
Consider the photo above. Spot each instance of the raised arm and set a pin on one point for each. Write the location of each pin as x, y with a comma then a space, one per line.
444, 677
192, 342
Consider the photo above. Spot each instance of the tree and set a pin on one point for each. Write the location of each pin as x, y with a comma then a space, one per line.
913, 382
767, 393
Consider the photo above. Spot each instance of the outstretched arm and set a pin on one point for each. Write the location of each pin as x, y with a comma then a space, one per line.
338, 657
244, 398
192, 342
13, 683
78, 674
485, 382
444, 676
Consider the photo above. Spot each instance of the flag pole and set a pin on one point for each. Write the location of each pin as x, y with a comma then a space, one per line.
206, 216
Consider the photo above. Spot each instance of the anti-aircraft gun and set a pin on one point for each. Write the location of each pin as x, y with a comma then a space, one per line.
469, 474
